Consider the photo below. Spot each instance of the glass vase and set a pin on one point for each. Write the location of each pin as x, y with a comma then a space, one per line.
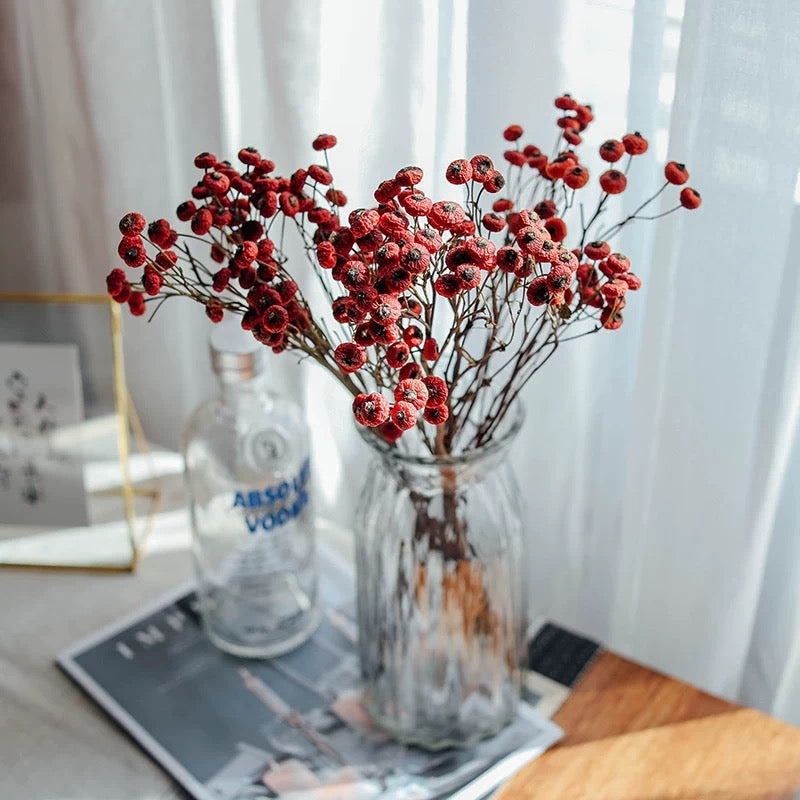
440, 606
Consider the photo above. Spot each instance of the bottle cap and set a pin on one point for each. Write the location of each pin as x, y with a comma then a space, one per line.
235, 354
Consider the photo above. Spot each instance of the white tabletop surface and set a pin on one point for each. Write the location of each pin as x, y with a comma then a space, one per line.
55, 743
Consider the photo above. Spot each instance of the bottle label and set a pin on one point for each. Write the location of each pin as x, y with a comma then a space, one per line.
272, 507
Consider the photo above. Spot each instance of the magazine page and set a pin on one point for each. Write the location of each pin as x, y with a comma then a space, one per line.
292, 727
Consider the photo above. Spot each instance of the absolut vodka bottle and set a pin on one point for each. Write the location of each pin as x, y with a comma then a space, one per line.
248, 471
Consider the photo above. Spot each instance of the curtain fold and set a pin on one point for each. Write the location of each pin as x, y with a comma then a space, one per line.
659, 461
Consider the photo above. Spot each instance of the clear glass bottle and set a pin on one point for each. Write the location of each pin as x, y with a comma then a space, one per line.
247, 471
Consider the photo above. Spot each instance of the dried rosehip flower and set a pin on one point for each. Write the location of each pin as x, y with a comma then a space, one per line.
494, 181
597, 250
397, 354
676, 173
132, 224
436, 415
249, 156
481, 166
445, 214
136, 304
132, 251
201, 222
557, 228
618, 263
216, 182
324, 141
545, 209
412, 335
416, 204
335, 197
613, 181
558, 278
408, 176
214, 312
430, 350
634, 281
151, 281
410, 371
526, 267
275, 319
515, 157
459, 171
404, 415
385, 309
205, 160
610, 318
493, 222
565, 102
635, 144
371, 410
390, 431
690, 198
429, 238
447, 285
508, 258
437, 390
538, 292
362, 221
350, 357
185, 210
221, 280
612, 150
115, 281
412, 391
512, 133
577, 177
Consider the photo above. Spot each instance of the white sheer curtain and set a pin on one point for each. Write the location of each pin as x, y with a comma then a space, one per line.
658, 461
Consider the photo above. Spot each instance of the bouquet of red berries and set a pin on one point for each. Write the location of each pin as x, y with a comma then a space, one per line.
439, 311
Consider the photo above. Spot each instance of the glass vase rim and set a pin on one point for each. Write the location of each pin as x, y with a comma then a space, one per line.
509, 431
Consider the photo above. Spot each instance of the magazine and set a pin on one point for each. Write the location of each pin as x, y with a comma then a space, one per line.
291, 727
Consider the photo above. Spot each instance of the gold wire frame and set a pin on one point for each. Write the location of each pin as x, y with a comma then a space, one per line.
127, 422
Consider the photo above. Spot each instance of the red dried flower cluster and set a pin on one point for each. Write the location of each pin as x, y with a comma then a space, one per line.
447, 306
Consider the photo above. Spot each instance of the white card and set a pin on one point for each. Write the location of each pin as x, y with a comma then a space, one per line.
41, 405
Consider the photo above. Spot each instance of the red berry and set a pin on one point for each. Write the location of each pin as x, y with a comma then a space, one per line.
635, 144
512, 133
410, 371
676, 173
437, 390
412, 391
249, 156
538, 293
613, 181
136, 304
430, 350
481, 166
612, 150
436, 415
132, 224
350, 357
324, 141
565, 103
151, 281
214, 312
577, 177
459, 171
408, 176
404, 415
611, 319
205, 160
690, 198
557, 228
597, 250
371, 410
397, 354
201, 222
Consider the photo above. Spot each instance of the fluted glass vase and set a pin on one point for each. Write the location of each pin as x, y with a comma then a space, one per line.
440, 606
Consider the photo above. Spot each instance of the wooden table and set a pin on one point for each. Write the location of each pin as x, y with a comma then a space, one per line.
633, 734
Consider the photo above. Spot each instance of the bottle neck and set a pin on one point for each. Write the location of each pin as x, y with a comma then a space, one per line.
235, 391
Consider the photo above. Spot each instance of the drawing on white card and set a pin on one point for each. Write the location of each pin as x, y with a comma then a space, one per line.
41, 406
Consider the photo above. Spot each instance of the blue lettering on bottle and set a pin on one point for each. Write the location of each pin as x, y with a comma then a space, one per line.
293, 492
